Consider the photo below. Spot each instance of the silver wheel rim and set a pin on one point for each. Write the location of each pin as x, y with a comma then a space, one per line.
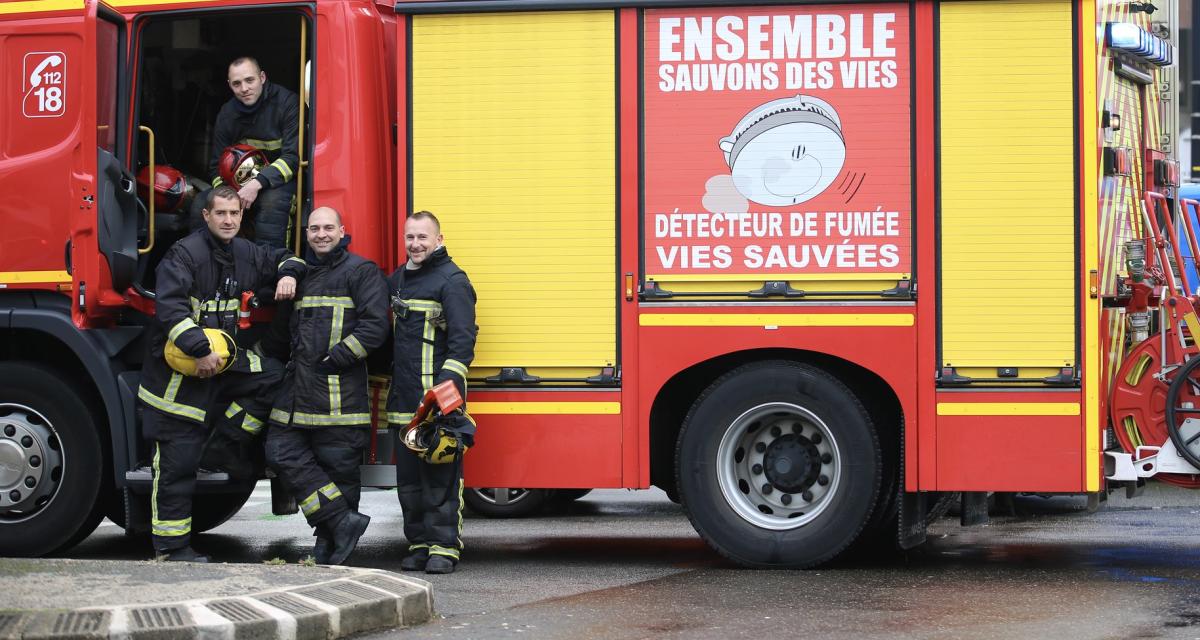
31, 463
502, 497
778, 466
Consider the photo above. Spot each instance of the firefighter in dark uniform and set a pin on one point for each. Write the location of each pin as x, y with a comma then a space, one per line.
433, 304
321, 421
266, 116
200, 281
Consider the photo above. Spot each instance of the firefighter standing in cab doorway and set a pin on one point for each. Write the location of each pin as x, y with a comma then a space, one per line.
433, 307
322, 419
194, 373
261, 118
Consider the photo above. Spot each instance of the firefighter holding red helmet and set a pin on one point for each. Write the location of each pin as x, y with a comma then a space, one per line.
256, 151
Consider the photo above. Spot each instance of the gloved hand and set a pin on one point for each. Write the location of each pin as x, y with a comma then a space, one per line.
326, 367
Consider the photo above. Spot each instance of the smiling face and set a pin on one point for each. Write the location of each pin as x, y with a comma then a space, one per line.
246, 80
324, 230
224, 217
421, 238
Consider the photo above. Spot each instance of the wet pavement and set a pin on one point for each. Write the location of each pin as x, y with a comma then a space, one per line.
628, 565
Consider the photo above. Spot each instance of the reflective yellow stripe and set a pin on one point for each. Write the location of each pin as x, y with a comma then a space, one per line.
417, 547
265, 145
340, 420
313, 302
427, 353
173, 386
776, 320
171, 528
335, 329
461, 486
222, 305
233, 410
180, 327
255, 362
251, 425
216, 182
437, 550
310, 504
399, 418
335, 394
456, 367
280, 416
546, 408
154, 481
170, 407
287, 260
284, 169
16, 277
424, 305
357, 349
331, 491
1004, 408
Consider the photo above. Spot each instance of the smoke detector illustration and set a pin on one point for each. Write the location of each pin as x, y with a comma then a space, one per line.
786, 151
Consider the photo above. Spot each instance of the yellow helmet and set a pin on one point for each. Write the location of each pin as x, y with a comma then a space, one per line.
222, 344
434, 443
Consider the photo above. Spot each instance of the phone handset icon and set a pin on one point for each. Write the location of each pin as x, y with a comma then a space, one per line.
35, 78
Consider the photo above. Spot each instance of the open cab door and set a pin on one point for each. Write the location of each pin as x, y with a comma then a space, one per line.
71, 228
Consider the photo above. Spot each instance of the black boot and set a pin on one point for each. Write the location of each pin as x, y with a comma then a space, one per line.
415, 561
440, 564
323, 549
185, 554
346, 533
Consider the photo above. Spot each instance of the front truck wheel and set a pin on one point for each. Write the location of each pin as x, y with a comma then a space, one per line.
778, 465
51, 462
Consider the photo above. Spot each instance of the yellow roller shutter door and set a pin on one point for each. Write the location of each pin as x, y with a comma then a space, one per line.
1007, 189
514, 148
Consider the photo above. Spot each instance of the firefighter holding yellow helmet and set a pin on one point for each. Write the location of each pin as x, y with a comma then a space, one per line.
195, 374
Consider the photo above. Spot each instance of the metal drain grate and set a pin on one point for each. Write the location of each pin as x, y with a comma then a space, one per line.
79, 622
237, 611
155, 618
285, 602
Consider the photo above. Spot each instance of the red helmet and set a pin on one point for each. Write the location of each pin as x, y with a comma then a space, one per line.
171, 189
240, 163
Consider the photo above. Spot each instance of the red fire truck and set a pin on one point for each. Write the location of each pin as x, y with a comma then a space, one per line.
811, 268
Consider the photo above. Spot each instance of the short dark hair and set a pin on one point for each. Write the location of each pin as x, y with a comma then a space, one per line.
242, 59
223, 191
425, 215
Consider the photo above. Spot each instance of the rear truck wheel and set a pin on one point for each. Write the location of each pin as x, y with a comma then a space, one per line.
506, 503
209, 509
778, 465
51, 462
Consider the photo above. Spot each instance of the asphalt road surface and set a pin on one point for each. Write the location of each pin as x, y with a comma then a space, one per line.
627, 564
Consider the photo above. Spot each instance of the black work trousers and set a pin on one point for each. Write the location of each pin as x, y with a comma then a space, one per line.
319, 467
240, 402
431, 498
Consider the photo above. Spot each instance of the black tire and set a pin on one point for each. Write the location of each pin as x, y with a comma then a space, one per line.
47, 438
209, 510
520, 503
818, 448
567, 496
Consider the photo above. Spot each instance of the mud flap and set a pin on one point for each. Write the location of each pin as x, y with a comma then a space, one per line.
912, 519
974, 508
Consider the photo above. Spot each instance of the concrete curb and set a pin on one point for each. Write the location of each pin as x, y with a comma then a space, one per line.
365, 600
